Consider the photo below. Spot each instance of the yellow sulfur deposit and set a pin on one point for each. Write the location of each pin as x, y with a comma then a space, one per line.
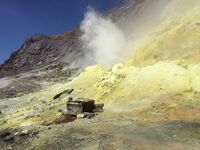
165, 65
161, 79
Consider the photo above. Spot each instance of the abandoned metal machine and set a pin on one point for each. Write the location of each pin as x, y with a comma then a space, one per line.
83, 106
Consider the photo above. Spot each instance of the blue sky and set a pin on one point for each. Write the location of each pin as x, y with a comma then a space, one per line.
20, 19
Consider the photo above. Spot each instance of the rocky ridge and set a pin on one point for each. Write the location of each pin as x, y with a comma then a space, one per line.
40, 50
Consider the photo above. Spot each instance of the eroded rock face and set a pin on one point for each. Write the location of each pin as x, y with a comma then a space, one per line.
127, 8
39, 51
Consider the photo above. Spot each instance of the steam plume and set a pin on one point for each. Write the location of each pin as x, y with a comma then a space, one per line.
103, 38
109, 43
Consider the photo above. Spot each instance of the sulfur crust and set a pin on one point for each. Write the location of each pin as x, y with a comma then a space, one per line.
164, 69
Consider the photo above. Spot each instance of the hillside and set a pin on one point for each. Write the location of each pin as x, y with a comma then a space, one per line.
152, 98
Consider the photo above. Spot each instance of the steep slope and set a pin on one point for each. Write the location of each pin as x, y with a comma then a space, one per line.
40, 50
180, 24
41, 60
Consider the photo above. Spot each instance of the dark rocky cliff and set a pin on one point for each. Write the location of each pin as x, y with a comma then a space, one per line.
40, 50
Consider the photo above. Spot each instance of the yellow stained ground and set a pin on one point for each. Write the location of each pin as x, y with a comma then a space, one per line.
161, 81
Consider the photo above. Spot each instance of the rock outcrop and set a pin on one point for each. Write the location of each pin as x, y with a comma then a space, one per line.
40, 50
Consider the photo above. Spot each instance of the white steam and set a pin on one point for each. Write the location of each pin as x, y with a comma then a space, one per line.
103, 38
108, 43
